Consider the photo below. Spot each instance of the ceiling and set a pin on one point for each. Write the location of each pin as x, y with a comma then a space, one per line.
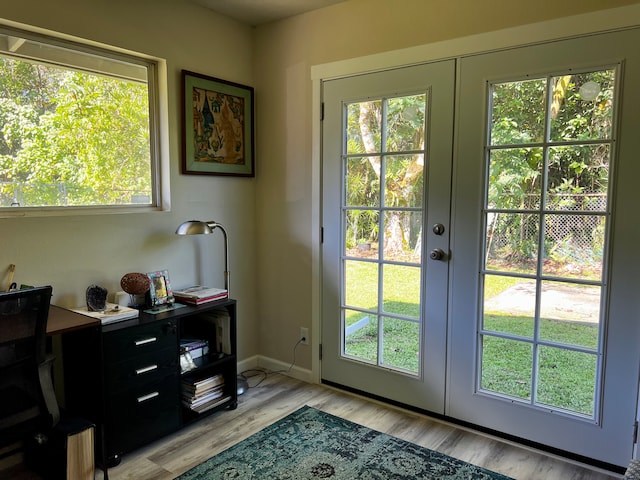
258, 12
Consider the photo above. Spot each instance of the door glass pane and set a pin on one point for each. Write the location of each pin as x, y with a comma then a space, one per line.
361, 284
401, 290
570, 313
507, 367
405, 123
578, 178
512, 242
364, 125
574, 245
583, 106
403, 180
399, 348
403, 236
363, 182
382, 216
360, 336
361, 233
515, 176
567, 380
509, 305
520, 121
550, 249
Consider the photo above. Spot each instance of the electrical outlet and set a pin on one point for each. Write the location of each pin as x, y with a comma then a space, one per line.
304, 336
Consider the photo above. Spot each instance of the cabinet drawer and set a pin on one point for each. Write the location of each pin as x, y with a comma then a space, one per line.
141, 370
142, 404
123, 438
131, 342
141, 415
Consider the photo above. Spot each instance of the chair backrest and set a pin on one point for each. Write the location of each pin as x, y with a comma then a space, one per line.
23, 330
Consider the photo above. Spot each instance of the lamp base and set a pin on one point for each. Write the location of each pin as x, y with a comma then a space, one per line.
243, 386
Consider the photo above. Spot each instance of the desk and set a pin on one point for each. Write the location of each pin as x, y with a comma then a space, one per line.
62, 320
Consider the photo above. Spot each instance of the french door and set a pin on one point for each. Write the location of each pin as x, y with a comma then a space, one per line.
387, 142
496, 286
542, 313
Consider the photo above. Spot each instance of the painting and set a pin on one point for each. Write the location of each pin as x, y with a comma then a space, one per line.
217, 127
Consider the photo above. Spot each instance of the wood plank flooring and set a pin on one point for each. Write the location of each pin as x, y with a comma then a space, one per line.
279, 395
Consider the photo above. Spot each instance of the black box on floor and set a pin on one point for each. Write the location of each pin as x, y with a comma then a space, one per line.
65, 452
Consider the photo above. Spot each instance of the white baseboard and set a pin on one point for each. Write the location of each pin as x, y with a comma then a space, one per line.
259, 361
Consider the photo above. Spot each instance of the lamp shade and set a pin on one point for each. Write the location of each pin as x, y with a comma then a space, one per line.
194, 227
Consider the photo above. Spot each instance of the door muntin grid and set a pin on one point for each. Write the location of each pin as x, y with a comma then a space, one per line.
546, 221
383, 205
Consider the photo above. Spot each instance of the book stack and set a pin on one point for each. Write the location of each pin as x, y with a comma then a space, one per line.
199, 294
203, 394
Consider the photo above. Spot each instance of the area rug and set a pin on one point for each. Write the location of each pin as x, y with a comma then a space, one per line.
311, 444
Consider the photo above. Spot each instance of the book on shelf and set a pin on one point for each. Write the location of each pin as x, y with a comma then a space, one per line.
198, 399
210, 404
222, 321
202, 384
200, 294
195, 347
112, 313
200, 301
191, 393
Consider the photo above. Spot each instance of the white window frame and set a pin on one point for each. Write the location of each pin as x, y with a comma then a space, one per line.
156, 69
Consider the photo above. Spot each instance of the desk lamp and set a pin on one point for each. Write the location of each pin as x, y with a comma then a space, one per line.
197, 227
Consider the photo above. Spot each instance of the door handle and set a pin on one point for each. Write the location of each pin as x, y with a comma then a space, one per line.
437, 254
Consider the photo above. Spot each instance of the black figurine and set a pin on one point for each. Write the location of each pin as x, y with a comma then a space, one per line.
96, 298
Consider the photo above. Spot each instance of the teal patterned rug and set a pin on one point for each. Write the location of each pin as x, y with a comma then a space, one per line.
310, 444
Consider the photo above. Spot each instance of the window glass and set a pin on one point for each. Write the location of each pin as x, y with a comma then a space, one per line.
75, 125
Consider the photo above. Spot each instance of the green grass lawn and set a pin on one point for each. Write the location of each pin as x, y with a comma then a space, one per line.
565, 378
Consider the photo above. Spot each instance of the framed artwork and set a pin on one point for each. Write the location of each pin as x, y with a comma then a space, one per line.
160, 291
217, 127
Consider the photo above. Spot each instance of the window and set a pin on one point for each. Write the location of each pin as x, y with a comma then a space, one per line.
79, 126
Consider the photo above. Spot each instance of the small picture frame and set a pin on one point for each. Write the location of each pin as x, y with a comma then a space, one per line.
160, 292
217, 127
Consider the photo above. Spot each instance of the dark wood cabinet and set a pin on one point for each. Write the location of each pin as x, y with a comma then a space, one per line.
127, 377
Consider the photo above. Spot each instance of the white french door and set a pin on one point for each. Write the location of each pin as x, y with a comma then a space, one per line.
544, 311
387, 140
496, 286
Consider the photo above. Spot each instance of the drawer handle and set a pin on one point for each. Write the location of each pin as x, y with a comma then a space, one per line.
144, 398
146, 369
145, 341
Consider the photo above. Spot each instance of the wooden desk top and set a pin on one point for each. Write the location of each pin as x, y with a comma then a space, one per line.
62, 320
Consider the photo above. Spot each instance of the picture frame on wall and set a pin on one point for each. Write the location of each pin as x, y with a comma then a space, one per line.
160, 291
217, 126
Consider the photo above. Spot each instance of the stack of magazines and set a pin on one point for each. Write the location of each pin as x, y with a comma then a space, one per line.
198, 294
203, 394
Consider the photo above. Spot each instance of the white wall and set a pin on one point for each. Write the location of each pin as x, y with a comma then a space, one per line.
71, 253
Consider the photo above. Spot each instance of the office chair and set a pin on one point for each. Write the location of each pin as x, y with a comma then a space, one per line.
27, 400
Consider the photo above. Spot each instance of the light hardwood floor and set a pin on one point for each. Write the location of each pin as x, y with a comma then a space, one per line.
279, 395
